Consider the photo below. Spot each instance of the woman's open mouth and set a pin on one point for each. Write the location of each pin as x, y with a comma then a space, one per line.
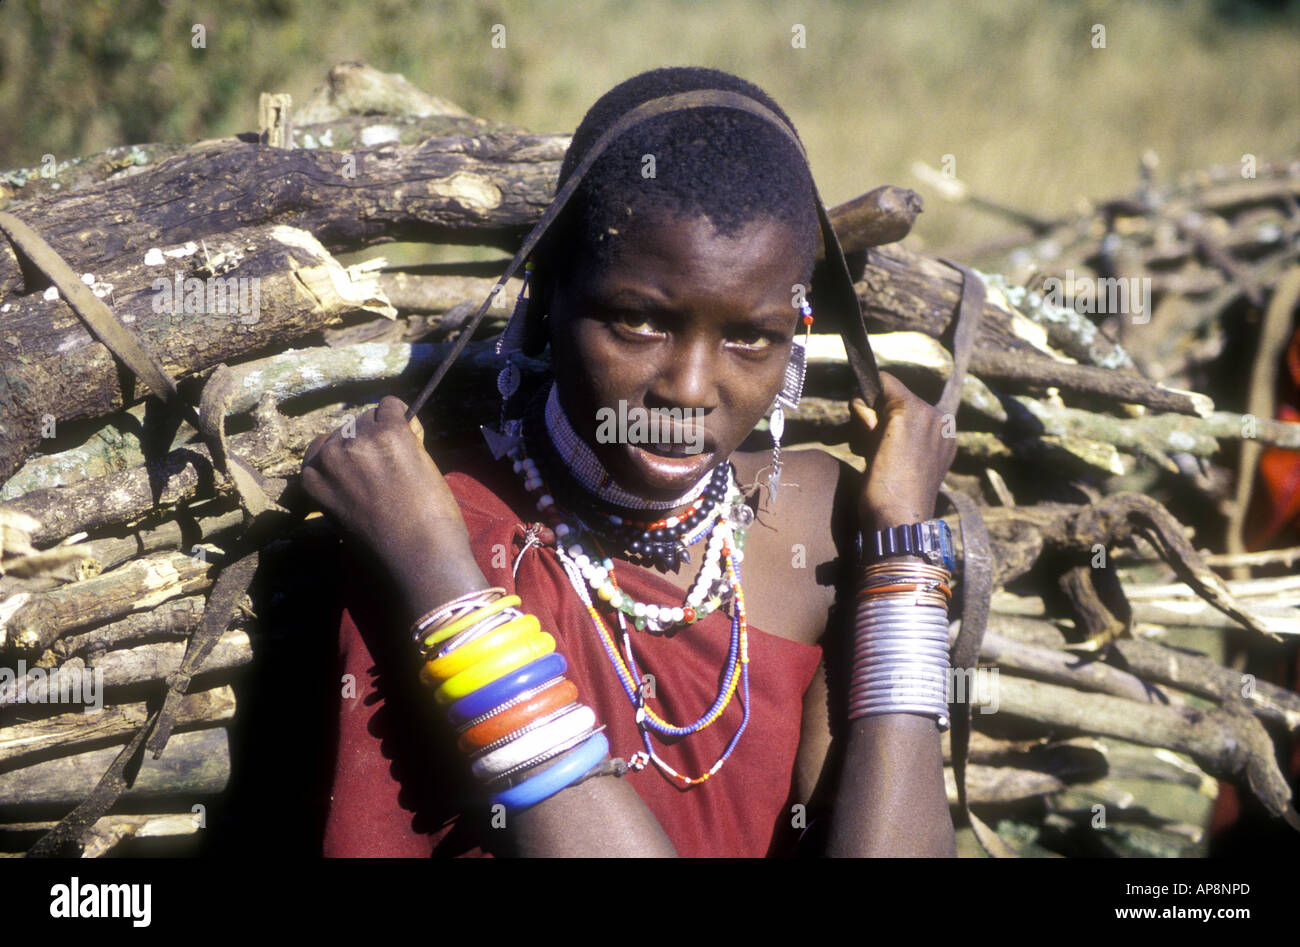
671, 467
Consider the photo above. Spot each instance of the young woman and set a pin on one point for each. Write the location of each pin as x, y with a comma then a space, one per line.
696, 629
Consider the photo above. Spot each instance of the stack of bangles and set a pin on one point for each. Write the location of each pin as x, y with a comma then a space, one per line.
502, 685
900, 642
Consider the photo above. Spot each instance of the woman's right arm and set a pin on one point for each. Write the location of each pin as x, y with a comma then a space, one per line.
390, 501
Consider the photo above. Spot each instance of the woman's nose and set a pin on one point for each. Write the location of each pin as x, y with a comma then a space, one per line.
687, 378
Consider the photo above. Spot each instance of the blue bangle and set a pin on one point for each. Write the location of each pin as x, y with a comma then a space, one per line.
503, 688
557, 776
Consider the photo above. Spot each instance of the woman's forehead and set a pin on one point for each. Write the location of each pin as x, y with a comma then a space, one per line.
674, 247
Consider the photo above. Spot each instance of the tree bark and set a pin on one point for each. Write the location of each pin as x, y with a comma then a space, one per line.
66, 733
195, 764
192, 306
482, 190
108, 832
1227, 741
137, 586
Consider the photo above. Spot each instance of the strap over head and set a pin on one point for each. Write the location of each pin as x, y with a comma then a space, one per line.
831, 294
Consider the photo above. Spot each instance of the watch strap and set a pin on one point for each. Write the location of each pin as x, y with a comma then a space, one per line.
930, 540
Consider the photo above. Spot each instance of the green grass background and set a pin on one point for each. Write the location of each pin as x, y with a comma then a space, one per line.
1033, 115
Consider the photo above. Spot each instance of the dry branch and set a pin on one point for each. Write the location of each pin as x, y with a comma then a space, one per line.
109, 831
172, 619
66, 733
459, 190
137, 665
136, 586
1227, 741
193, 305
196, 764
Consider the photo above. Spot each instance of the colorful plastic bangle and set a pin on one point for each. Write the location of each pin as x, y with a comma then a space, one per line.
542, 671
513, 718
460, 624
451, 664
534, 743
498, 665
535, 724
521, 698
526, 771
566, 770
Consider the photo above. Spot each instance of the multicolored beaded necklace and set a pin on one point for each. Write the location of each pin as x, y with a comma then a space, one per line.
720, 514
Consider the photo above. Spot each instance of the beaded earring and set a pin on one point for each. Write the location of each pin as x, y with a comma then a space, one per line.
507, 435
788, 397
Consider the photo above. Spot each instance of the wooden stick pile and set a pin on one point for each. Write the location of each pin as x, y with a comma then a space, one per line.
111, 519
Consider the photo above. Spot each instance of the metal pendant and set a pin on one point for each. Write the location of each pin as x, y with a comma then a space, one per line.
508, 380
776, 424
773, 482
499, 444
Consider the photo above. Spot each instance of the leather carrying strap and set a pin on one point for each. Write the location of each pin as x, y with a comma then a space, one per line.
834, 292
976, 560
263, 516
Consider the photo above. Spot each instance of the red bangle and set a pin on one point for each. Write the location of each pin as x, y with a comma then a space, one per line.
559, 694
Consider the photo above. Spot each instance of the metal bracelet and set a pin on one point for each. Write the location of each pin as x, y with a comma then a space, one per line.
420, 630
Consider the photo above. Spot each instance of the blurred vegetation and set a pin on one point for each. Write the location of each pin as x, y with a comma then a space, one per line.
1033, 115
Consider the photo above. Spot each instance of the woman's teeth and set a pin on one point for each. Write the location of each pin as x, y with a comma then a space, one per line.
671, 450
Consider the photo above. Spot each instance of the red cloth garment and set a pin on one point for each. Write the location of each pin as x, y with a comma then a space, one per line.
393, 796
1275, 507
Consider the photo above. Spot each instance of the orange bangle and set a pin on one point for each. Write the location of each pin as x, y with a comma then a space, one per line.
902, 587
558, 695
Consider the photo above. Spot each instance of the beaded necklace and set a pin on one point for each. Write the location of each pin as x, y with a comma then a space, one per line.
647, 719
726, 524
707, 594
662, 543
587, 469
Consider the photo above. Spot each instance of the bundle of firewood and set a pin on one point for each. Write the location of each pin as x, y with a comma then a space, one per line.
115, 518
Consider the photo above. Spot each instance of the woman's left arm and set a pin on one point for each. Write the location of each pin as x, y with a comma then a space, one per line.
890, 798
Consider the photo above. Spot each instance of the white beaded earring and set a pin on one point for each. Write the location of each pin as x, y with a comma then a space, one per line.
788, 397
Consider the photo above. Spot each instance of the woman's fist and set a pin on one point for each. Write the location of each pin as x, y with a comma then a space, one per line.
382, 489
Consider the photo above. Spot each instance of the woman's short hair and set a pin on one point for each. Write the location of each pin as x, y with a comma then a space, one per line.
724, 164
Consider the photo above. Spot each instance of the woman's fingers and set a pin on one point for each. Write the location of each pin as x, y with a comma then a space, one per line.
390, 408
864, 414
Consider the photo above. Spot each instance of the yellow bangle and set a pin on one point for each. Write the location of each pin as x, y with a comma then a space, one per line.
498, 665
473, 618
452, 664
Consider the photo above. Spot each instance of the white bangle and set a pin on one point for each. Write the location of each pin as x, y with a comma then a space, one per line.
534, 743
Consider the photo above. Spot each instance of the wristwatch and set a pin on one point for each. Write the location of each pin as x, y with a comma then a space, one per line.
931, 541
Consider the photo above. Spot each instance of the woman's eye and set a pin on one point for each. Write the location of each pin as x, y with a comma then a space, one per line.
635, 323
751, 339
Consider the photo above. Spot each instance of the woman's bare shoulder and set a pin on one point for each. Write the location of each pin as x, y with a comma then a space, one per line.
815, 499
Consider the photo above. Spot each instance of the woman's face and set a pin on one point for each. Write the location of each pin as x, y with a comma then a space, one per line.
682, 321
